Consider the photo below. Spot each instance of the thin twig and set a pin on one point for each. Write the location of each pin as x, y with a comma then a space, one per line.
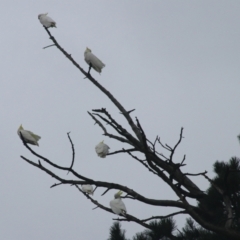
73, 152
55, 185
174, 148
49, 46
128, 111
142, 162
184, 158
123, 151
105, 191
117, 127
163, 146
109, 123
121, 139
94, 189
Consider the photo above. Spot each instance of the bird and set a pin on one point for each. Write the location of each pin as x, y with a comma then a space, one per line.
117, 205
93, 61
87, 188
46, 21
28, 136
102, 149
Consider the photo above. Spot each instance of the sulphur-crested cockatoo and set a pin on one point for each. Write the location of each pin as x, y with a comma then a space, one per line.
28, 136
102, 149
117, 205
46, 21
93, 61
87, 188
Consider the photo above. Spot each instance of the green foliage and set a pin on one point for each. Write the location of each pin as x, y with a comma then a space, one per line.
228, 180
161, 228
165, 230
192, 231
116, 233
141, 236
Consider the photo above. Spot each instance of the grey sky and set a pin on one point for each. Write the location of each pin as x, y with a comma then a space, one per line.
176, 62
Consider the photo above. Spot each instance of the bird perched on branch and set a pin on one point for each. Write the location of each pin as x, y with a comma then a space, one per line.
117, 205
93, 61
28, 136
87, 188
102, 149
46, 21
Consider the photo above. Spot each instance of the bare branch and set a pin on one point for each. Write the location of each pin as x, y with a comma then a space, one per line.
195, 174
179, 141
106, 133
170, 149
166, 216
160, 173
118, 128
123, 151
166, 159
105, 191
73, 151
94, 189
49, 46
153, 144
131, 192
109, 123
93, 201
184, 157
163, 146
128, 217
55, 184
142, 162
41, 157
129, 111
98, 122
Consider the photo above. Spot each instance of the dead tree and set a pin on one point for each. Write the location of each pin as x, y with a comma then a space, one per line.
157, 163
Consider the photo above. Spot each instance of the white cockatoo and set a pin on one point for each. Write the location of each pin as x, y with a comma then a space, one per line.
46, 21
87, 188
93, 61
28, 136
117, 205
102, 149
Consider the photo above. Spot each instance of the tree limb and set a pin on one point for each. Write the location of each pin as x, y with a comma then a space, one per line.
154, 202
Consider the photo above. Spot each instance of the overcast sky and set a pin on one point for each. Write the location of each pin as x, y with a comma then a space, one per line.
175, 62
